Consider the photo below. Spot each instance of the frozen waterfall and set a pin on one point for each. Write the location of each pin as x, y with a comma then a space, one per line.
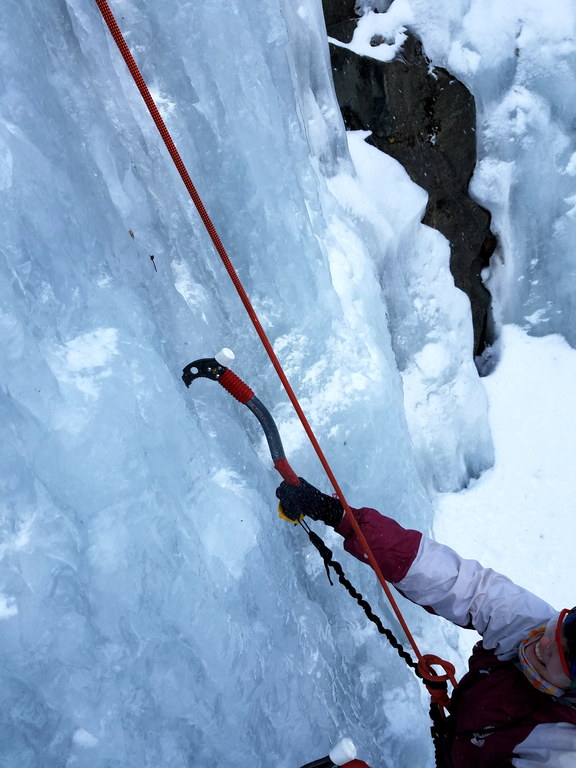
154, 612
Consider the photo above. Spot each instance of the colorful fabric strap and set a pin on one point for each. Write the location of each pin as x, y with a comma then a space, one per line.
530, 672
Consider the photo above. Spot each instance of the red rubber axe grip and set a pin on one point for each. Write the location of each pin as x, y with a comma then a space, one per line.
236, 386
286, 471
356, 764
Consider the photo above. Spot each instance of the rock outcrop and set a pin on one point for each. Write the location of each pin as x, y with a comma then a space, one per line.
425, 119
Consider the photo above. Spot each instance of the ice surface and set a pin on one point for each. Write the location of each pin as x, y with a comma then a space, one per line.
518, 60
429, 319
153, 610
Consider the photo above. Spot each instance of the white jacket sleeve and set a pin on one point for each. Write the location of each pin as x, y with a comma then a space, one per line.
550, 745
469, 595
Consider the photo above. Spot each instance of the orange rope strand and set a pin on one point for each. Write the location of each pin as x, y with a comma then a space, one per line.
175, 155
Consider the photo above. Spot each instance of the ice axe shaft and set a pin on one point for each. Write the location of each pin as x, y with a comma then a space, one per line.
215, 368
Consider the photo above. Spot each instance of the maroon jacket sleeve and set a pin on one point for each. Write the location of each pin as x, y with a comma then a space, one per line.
393, 547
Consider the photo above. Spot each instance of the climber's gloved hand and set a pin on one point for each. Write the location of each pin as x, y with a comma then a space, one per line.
304, 499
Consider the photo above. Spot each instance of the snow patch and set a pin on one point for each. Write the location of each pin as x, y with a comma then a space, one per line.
84, 739
84, 361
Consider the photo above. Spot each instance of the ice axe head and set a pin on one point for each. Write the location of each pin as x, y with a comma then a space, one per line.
208, 367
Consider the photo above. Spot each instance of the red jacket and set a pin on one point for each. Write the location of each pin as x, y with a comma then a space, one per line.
499, 720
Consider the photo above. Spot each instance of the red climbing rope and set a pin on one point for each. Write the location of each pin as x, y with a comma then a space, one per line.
175, 155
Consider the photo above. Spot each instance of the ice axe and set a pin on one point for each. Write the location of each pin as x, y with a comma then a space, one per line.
216, 368
342, 754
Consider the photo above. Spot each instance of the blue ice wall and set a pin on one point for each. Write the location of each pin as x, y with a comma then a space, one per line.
153, 609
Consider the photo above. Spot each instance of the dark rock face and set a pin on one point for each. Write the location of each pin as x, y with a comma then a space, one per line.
340, 17
426, 120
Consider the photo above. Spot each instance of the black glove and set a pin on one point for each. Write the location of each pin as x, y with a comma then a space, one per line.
304, 499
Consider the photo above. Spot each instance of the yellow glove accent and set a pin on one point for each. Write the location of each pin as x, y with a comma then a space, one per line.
289, 519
